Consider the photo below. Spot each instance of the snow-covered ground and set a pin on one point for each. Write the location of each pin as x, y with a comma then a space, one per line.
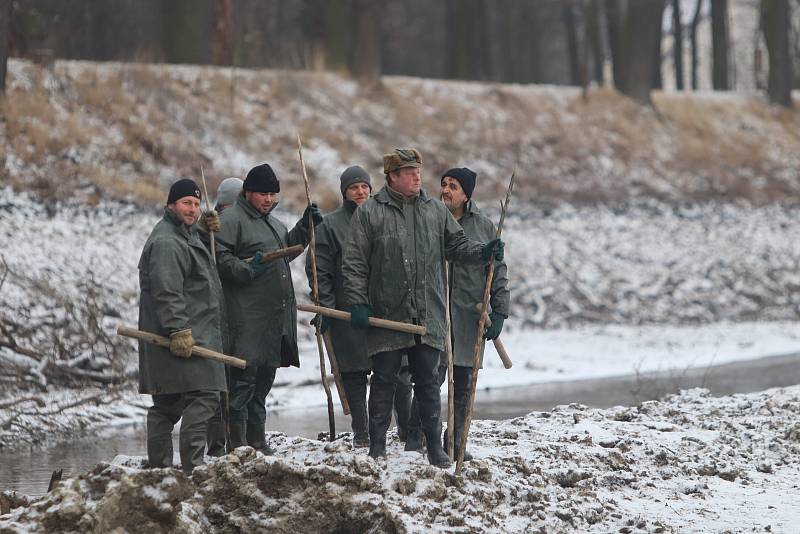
689, 463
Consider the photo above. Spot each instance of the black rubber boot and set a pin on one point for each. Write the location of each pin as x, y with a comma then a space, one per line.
402, 403
238, 433
414, 439
355, 388
381, 397
436, 455
461, 383
256, 437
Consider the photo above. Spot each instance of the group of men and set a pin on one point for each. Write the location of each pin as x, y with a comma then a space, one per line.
389, 255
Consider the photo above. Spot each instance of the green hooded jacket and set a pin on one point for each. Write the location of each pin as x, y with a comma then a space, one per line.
466, 286
179, 289
350, 346
262, 314
394, 263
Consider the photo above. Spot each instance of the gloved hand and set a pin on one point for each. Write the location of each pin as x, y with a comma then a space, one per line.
493, 248
181, 343
493, 332
359, 316
209, 221
256, 265
311, 211
326, 323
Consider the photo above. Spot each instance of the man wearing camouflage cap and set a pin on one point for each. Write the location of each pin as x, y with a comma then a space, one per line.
180, 297
394, 269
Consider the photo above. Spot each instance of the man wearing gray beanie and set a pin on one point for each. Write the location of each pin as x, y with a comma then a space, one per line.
227, 192
350, 348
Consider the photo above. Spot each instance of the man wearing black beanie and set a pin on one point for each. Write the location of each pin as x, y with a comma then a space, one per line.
260, 298
466, 291
180, 297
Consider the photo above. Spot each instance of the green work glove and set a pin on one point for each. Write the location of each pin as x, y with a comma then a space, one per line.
324, 326
256, 265
181, 343
493, 332
359, 316
493, 248
312, 211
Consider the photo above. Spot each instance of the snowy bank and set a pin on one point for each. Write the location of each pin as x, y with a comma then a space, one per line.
691, 463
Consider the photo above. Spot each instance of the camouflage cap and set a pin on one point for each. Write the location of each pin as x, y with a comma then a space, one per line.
401, 157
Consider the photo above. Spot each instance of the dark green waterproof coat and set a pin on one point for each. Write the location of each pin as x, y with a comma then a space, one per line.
394, 262
350, 346
179, 289
262, 314
466, 286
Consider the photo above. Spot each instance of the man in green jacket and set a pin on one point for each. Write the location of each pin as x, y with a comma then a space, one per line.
180, 297
394, 269
466, 292
350, 347
262, 315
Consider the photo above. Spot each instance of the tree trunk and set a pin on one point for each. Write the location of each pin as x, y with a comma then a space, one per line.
642, 36
658, 82
677, 35
6, 7
615, 17
365, 62
775, 21
595, 40
720, 41
221, 54
693, 38
572, 43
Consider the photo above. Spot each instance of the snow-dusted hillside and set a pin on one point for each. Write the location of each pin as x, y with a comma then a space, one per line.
691, 463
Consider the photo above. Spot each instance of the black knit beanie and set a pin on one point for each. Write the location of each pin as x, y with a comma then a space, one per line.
465, 177
183, 188
262, 179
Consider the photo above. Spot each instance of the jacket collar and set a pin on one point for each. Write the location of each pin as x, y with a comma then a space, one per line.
349, 205
389, 196
171, 217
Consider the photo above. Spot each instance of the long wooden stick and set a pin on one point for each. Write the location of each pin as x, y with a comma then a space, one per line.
326, 337
498, 345
208, 208
476, 352
315, 294
162, 341
277, 254
451, 418
373, 321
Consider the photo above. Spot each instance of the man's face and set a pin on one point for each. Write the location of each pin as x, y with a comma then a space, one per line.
406, 181
358, 192
263, 202
187, 209
452, 194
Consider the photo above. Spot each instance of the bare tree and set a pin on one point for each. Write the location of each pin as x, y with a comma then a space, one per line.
720, 44
6, 7
642, 36
615, 18
775, 21
365, 58
677, 51
693, 38
594, 38
568, 11
223, 27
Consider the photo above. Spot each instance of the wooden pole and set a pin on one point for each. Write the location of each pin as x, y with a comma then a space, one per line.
451, 419
294, 250
326, 337
162, 341
498, 345
476, 352
315, 295
373, 321
208, 208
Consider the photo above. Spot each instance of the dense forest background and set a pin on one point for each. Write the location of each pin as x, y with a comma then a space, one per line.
634, 46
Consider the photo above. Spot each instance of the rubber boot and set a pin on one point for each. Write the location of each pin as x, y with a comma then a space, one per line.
355, 388
238, 433
461, 383
256, 437
402, 403
159, 452
215, 436
381, 398
414, 439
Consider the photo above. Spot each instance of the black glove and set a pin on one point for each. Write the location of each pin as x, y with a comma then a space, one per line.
311, 211
493, 332
324, 326
493, 248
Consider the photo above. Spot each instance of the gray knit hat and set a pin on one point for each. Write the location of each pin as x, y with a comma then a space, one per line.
353, 175
228, 190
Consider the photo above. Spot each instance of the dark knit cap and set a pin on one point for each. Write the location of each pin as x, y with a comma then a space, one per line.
465, 177
183, 188
353, 175
262, 179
